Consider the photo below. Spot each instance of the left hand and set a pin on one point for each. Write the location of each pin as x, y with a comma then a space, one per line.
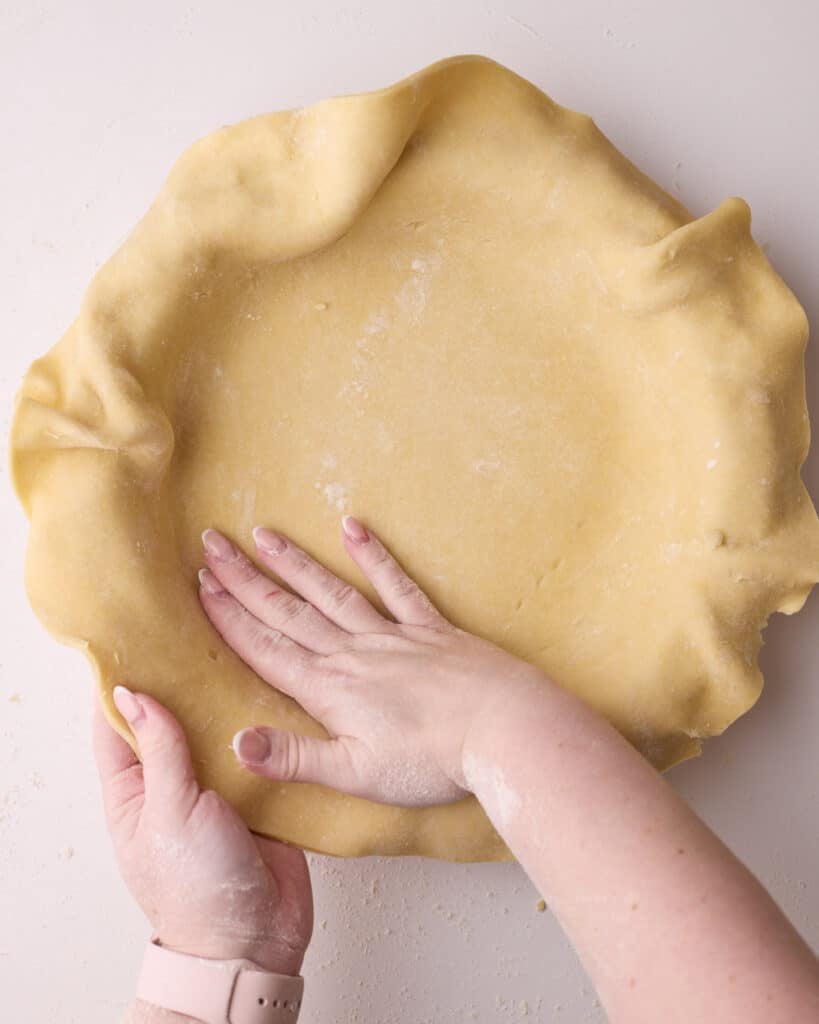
207, 884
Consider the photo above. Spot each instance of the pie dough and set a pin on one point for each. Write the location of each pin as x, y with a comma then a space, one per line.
453, 308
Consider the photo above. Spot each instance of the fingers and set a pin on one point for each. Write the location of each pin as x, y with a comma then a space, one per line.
289, 757
120, 772
329, 605
279, 660
170, 784
339, 601
400, 594
270, 603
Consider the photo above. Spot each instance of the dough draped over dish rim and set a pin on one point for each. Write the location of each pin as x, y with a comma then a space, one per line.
575, 413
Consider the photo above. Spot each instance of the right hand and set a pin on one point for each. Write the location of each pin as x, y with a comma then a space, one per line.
398, 697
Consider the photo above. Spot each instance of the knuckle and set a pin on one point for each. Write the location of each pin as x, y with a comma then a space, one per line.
340, 666
234, 616
321, 702
267, 640
394, 642
286, 756
286, 605
160, 731
342, 594
244, 571
301, 562
403, 586
159, 745
380, 557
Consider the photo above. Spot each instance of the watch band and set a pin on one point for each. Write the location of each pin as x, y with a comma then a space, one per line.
218, 991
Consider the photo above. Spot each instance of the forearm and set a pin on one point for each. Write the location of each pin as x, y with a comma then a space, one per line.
667, 922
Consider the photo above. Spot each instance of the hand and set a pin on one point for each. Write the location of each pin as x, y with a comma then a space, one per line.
208, 886
397, 697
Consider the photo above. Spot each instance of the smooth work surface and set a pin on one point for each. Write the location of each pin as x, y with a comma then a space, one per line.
711, 100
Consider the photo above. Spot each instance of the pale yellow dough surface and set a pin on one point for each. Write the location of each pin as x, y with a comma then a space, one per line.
575, 414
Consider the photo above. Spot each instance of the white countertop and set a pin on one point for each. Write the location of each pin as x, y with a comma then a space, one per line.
711, 98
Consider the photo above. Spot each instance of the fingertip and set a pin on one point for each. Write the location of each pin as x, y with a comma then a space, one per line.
251, 746
354, 530
129, 705
267, 541
209, 584
218, 546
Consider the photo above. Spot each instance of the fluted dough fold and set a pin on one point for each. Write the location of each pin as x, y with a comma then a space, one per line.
574, 412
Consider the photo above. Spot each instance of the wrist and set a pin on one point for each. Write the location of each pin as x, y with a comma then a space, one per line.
175, 986
531, 688
273, 955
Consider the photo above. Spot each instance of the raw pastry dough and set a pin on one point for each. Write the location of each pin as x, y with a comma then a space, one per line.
575, 414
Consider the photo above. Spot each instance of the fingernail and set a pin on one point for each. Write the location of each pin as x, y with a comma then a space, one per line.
354, 530
271, 543
128, 705
252, 746
209, 583
219, 546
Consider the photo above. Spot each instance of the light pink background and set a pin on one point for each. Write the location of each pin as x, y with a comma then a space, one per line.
711, 98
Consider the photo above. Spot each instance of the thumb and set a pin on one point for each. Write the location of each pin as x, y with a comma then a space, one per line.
120, 776
290, 757
166, 762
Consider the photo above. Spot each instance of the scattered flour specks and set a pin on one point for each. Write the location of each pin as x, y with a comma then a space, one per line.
335, 494
507, 797
333, 491
412, 296
378, 323
492, 788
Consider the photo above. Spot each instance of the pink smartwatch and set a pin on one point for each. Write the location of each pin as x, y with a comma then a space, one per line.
218, 991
